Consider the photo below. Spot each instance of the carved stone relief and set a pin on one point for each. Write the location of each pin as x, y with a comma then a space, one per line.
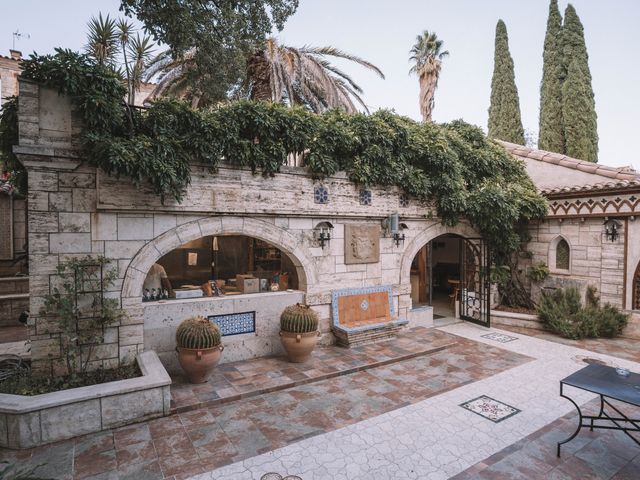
361, 243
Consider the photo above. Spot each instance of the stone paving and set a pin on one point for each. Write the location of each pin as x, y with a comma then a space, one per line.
249, 378
436, 438
620, 346
201, 440
597, 455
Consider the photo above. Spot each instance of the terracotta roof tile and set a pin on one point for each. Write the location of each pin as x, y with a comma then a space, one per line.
619, 184
618, 173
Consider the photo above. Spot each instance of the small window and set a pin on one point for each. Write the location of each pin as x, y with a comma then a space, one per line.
562, 255
636, 289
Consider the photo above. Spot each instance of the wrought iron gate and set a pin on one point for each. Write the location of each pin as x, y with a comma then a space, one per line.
475, 286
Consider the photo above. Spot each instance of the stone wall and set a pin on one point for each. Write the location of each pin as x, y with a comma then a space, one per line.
75, 211
594, 260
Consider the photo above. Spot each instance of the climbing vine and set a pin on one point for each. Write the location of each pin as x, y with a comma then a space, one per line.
454, 165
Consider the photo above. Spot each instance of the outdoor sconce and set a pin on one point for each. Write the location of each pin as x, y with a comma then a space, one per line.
322, 233
393, 228
611, 228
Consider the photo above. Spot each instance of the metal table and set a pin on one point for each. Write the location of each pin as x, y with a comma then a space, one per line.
605, 382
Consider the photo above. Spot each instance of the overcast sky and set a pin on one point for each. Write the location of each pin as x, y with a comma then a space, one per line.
383, 31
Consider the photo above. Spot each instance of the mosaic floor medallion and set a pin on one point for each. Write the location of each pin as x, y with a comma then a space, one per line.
499, 337
490, 409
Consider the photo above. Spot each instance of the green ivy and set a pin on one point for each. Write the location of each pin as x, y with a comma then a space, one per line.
454, 165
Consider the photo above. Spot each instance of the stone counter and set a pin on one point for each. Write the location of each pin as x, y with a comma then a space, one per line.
161, 319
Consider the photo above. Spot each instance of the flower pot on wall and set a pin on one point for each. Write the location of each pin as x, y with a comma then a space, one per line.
299, 332
199, 348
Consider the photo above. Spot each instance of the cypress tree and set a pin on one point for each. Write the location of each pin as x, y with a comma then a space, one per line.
580, 122
551, 130
504, 112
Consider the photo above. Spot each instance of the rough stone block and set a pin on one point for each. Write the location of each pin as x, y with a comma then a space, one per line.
120, 410
77, 180
163, 223
60, 202
23, 431
131, 334
135, 228
122, 249
38, 201
42, 222
84, 200
67, 421
104, 226
75, 222
188, 231
47, 181
70, 243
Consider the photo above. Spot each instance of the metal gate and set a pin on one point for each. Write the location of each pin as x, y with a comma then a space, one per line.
475, 286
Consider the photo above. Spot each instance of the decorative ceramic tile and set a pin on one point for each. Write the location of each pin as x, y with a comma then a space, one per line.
490, 409
499, 337
320, 194
365, 197
364, 302
404, 200
236, 323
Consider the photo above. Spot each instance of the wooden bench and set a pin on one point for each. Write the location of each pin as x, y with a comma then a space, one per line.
363, 315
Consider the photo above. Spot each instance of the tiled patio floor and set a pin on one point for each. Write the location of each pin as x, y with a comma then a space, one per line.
248, 378
597, 455
627, 348
204, 439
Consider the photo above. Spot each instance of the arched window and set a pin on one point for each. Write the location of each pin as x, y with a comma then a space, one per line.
562, 255
636, 289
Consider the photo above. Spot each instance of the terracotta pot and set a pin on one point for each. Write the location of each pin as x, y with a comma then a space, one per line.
198, 363
299, 345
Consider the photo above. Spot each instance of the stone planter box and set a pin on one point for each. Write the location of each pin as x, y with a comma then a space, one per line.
29, 421
499, 317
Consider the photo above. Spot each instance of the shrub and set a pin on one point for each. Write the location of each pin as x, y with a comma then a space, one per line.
537, 273
563, 313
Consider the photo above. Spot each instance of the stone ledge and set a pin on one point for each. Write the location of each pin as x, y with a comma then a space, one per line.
525, 320
40, 419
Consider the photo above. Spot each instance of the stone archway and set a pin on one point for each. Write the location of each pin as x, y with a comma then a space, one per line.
424, 237
289, 243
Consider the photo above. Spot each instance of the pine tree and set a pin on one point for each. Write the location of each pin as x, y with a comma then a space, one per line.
504, 112
576, 99
551, 130
580, 122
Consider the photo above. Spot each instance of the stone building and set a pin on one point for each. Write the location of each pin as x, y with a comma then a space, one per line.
331, 239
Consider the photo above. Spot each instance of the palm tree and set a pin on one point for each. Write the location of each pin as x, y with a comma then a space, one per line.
304, 76
427, 54
140, 50
173, 76
102, 40
275, 73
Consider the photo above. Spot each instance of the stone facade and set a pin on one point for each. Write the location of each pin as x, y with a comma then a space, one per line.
74, 210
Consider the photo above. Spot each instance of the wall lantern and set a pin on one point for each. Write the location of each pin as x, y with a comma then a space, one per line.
393, 228
611, 228
322, 233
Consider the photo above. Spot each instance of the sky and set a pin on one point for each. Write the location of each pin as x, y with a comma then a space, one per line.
383, 31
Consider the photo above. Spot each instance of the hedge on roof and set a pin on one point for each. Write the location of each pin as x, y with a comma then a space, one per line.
454, 165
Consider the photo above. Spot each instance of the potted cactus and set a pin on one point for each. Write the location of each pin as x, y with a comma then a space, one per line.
199, 347
299, 332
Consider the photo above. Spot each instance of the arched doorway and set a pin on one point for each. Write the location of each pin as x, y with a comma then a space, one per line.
450, 273
635, 297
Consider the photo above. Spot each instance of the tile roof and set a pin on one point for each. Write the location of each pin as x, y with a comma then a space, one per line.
614, 185
617, 173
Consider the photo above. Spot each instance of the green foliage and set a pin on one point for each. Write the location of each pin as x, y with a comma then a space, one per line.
504, 112
299, 319
96, 90
578, 109
197, 333
454, 165
37, 385
537, 273
8, 138
551, 133
221, 32
78, 310
562, 312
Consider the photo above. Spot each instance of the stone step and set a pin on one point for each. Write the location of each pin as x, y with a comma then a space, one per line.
513, 319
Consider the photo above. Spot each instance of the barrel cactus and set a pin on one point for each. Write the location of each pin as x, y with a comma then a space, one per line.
299, 319
198, 333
